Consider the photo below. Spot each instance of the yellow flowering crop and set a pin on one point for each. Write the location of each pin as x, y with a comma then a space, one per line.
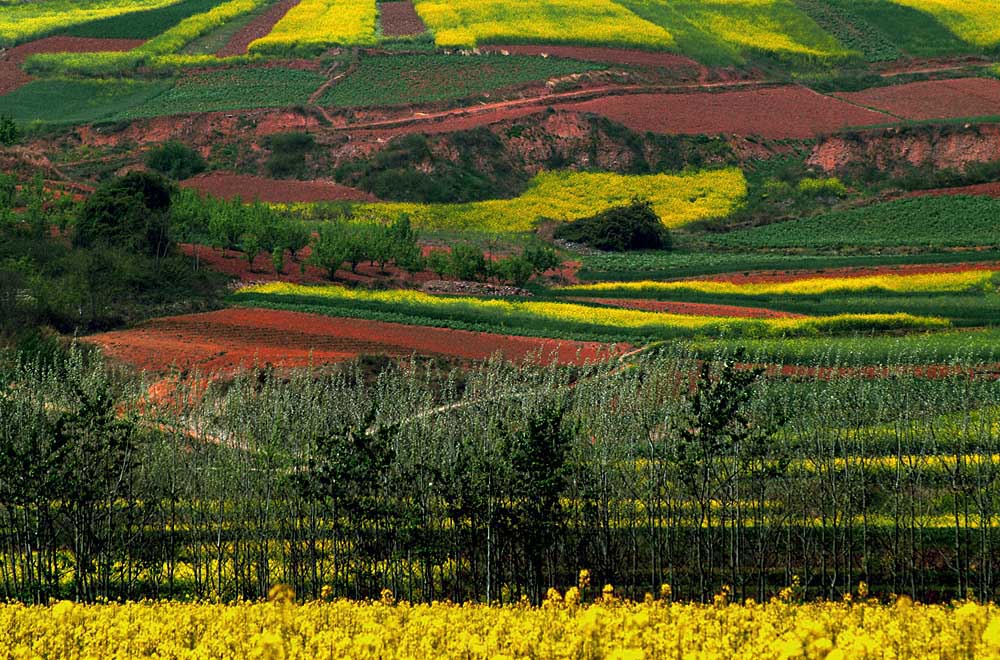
564, 195
973, 280
29, 20
975, 21
468, 23
560, 628
507, 312
768, 25
317, 24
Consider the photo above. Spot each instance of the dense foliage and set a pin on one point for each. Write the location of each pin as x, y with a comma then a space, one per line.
619, 229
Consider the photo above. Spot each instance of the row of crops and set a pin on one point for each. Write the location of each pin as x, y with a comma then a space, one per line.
716, 31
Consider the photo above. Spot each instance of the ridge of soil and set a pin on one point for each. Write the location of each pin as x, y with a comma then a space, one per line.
982, 189
626, 56
764, 276
694, 309
933, 99
12, 76
259, 27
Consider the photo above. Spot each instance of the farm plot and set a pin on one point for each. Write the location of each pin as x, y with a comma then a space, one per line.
403, 79
231, 339
399, 19
984, 189
30, 20
561, 196
626, 56
776, 113
313, 26
470, 23
77, 101
231, 89
956, 221
554, 319
142, 24
854, 32
914, 31
774, 27
247, 188
934, 99
12, 76
258, 27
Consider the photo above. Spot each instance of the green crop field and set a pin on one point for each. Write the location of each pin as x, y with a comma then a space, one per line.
77, 101
141, 24
422, 78
923, 222
917, 33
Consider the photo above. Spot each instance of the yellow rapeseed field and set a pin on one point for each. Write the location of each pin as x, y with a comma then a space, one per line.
469, 23
975, 21
968, 281
317, 24
563, 195
562, 627
505, 311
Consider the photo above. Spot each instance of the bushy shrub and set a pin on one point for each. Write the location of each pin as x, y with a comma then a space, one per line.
288, 154
634, 226
8, 131
175, 160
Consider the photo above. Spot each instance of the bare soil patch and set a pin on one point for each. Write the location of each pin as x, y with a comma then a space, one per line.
400, 19
255, 29
934, 99
763, 276
982, 189
232, 339
11, 75
775, 113
275, 191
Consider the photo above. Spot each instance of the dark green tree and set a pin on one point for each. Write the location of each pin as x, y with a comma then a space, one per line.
131, 212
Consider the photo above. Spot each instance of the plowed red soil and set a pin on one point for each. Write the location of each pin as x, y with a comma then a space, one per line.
776, 113
11, 75
400, 19
609, 55
793, 275
275, 191
934, 99
255, 29
230, 339
695, 309
983, 189
928, 371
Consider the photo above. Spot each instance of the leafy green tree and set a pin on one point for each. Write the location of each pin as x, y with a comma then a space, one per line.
9, 133
131, 212
175, 160
297, 236
634, 226
467, 262
330, 249
515, 270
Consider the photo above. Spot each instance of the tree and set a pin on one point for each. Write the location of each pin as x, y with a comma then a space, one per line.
515, 270
634, 226
175, 160
131, 212
467, 262
330, 249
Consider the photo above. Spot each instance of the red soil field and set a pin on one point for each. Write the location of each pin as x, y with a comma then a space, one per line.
934, 99
11, 75
694, 309
275, 191
928, 371
776, 112
597, 54
863, 271
259, 27
231, 339
982, 189
400, 19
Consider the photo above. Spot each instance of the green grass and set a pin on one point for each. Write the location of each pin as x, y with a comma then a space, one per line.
666, 265
959, 221
215, 40
919, 348
692, 41
77, 101
422, 78
231, 89
141, 24
917, 33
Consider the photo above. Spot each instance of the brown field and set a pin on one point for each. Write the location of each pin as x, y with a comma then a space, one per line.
981, 189
776, 112
697, 309
934, 99
259, 27
609, 55
400, 19
231, 339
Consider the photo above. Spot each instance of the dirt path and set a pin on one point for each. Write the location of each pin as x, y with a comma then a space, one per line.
255, 29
